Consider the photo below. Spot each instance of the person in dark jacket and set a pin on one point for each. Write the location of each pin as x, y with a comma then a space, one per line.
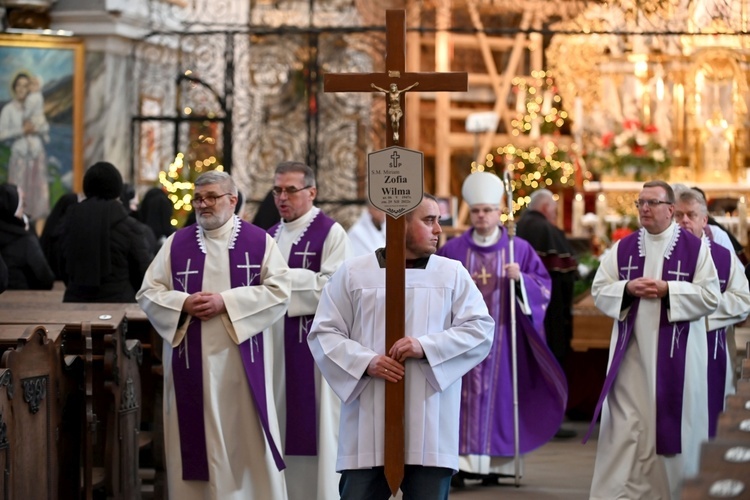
104, 249
20, 248
155, 211
51, 238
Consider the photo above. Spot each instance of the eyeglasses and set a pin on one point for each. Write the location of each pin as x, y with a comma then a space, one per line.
290, 191
208, 201
690, 215
651, 203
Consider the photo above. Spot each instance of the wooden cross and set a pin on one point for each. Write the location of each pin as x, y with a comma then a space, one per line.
395, 282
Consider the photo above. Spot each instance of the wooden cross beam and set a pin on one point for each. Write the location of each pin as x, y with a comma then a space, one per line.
394, 83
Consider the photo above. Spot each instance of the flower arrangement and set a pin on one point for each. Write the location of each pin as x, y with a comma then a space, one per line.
632, 150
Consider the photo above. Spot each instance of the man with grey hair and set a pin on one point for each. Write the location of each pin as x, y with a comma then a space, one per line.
538, 226
658, 284
691, 213
314, 246
211, 289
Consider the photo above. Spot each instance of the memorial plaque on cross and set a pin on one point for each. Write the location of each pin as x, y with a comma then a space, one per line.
394, 83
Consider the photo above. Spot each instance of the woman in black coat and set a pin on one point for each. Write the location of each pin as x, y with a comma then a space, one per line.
104, 250
20, 248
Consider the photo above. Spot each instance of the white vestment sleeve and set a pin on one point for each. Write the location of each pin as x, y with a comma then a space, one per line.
342, 361
307, 285
250, 309
467, 340
159, 301
689, 301
607, 288
734, 305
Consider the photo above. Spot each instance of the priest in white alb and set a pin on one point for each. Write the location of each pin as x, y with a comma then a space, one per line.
691, 213
314, 246
367, 234
211, 289
448, 331
658, 284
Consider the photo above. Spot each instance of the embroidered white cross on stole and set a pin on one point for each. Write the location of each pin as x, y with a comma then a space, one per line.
719, 343
628, 268
676, 332
305, 254
304, 327
183, 348
247, 266
186, 274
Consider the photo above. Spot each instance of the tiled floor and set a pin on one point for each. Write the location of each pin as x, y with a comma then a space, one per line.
559, 470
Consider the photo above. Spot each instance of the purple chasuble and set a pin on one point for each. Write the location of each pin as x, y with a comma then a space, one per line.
717, 344
486, 417
187, 259
679, 265
299, 369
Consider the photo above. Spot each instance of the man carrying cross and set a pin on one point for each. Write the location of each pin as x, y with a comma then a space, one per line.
658, 284
314, 246
210, 291
448, 332
487, 445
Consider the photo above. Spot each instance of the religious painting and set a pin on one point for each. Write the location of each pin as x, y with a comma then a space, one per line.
150, 139
41, 117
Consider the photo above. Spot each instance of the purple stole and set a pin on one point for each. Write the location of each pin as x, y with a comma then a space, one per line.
187, 259
679, 265
717, 342
299, 366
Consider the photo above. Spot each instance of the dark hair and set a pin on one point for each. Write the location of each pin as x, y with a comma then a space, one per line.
296, 166
425, 196
661, 184
102, 180
20, 75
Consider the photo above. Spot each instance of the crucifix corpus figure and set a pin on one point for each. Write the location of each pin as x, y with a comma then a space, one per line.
391, 425
394, 105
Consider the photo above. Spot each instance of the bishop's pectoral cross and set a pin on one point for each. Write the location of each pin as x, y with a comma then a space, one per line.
397, 80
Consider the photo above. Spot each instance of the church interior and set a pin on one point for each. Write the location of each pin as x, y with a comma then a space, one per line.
588, 98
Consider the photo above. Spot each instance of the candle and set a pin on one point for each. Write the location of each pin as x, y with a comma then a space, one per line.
742, 215
577, 217
601, 212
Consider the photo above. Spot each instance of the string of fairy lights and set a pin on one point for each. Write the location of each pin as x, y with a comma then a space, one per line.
540, 116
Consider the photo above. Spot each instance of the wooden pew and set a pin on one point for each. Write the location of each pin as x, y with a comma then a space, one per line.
6, 428
725, 461
113, 389
136, 326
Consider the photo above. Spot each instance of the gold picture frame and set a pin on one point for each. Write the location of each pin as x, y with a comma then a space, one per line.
51, 113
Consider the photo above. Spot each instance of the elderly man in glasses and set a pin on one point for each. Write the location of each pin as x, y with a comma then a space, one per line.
210, 290
658, 284
691, 213
314, 245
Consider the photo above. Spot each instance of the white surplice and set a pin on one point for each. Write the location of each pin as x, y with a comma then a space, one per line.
240, 463
734, 308
306, 474
445, 311
627, 466
364, 236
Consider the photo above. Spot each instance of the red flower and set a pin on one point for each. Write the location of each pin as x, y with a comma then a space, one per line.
650, 129
620, 233
607, 139
631, 125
